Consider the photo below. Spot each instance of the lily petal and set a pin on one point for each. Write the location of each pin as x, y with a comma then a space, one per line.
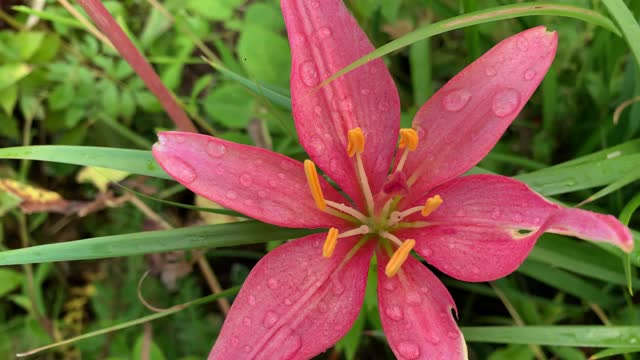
487, 225
295, 304
460, 124
415, 309
259, 183
324, 38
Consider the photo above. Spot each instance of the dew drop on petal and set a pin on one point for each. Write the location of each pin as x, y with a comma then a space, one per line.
433, 338
529, 74
273, 183
263, 194
323, 307
413, 298
231, 195
246, 321
270, 319
309, 74
523, 43
455, 100
287, 301
409, 350
426, 252
291, 346
235, 341
247, 349
286, 164
245, 180
389, 285
272, 283
365, 91
317, 110
323, 33
394, 312
505, 102
216, 149
453, 335
182, 171
252, 300
490, 71
317, 145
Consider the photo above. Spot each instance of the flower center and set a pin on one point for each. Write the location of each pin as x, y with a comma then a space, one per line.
374, 223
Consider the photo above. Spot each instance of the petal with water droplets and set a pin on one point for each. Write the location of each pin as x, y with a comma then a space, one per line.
324, 38
415, 309
463, 121
488, 224
256, 182
295, 304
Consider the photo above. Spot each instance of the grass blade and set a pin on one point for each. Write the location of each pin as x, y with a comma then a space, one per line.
628, 25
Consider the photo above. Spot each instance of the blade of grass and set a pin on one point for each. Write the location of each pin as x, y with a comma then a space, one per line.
221, 235
628, 25
625, 217
481, 17
132, 161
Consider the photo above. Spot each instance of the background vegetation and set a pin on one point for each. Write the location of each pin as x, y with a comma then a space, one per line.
60, 84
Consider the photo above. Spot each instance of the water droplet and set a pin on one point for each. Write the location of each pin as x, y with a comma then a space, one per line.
453, 335
345, 104
246, 321
270, 319
413, 298
315, 4
523, 43
287, 164
272, 284
309, 74
451, 246
455, 100
505, 102
433, 338
263, 194
365, 91
291, 346
182, 171
232, 195
252, 300
389, 285
245, 180
426, 252
409, 350
273, 183
317, 110
287, 301
282, 176
475, 270
394, 312
333, 164
529, 74
495, 214
247, 349
179, 139
216, 149
383, 106
322, 34
490, 71
517, 218
235, 341
317, 145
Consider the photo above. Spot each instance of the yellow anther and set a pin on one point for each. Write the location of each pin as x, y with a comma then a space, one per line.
330, 243
431, 205
399, 257
356, 141
408, 139
314, 184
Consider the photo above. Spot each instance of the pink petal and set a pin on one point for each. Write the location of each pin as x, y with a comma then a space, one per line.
324, 38
465, 118
256, 182
477, 232
295, 304
415, 309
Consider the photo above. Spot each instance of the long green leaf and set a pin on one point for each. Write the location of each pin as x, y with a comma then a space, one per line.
628, 25
481, 17
242, 233
132, 161
588, 336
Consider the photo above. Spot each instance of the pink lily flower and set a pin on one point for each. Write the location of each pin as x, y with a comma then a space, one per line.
302, 297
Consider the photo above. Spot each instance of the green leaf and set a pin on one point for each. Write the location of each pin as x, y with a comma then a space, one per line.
9, 280
230, 104
582, 336
214, 10
8, 98
265, 54
481, 17
265, 15
241, 233
26, 43
155, 353
628, 24
12, 73
133, 161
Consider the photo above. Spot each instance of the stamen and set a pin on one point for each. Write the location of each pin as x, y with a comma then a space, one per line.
408, 139
330, 243
360, 230
399, 258
356, 141
389, 236
409, 142
314, 184
431, 205
347, 210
